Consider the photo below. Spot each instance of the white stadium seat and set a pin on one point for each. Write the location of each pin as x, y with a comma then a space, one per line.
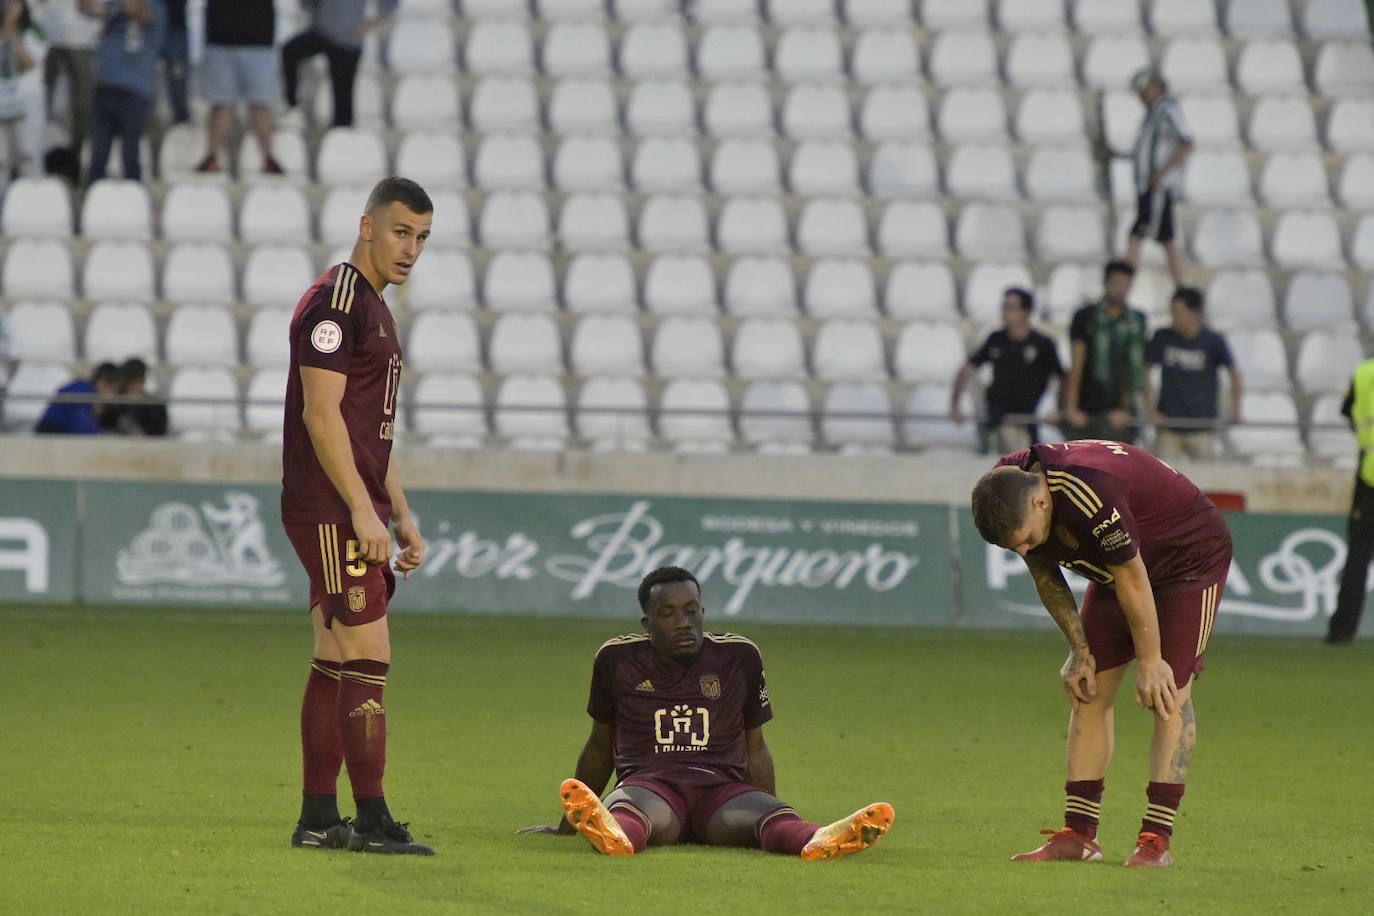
1329, 434
760, 286
775, 413
1248, 18
274, 213
276, 276
443, 341
730, 52
42, 332
1040, 59
552, 10
37, 208
520, 281
666, 164
197, 212
204, 403
1241, 298
973, 113
501, 103
840, 288
424, 101
860, 13
653, 49
982, 171
612, 414
1211, 117
120, 270
1271, 65
930, 352
435, 159
768, 348
449, 409
832, 227
1028, 15
1113, 58
903, 168
38, 269
607, 345
886, 55
673, 222
1318, 300
849, 349
202, 335
199, 272
814, 110
1107, 16
340, 215
807, 53
1282, 123
1050, 116
1070, 232
1228, 238
452, 223
986, 283
712, 11
1061, 173
895, 112
1306, 238
745, 166
267, 343
1356, 189
582, 104
920, 289
752, 225
1345, 68
441, 280
350, 156
600, 282
591, 221
1295, 180
694, 416
947, 14
1194, 63
576, 49
1182, 17
856, 418
927, 424
1217, 176
425, 45
962, 57
824, 167
117, 209
499, 46
181, 150
680, 284
1335, 19
514, 219
525, 342
1362, 245
1350, 126
531, 413
264, 403
1121, 116
509, 162
1260, 355
688, 347
913, 229
660, 107
117, 331
737, 110
1326, 360
989, 230
369, 103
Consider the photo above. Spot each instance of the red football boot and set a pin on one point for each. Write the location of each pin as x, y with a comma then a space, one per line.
1151, 851
1064, 845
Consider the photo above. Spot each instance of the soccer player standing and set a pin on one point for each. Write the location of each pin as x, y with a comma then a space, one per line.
339, 492
679, 715
1156, 552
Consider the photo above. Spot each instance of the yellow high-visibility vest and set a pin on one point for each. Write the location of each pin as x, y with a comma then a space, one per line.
1362, 416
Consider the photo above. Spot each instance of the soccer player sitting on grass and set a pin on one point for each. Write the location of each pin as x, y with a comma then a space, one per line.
1156, 552
679, 715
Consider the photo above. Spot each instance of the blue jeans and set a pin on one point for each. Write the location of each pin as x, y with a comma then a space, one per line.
176, 63
121, 113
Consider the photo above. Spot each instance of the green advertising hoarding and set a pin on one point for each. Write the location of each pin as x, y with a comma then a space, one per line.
531, 553
38, 541
1284, 576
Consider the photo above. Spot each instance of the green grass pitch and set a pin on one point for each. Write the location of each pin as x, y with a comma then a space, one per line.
149, 764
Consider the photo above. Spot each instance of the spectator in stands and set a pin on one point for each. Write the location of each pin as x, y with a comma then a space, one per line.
125, 78
9, 364
72, 39
1161, 148
22, 52
1023, 362
1189, 355
1107, 370
82, 417
147, 416
176, 61
337, 29
1359, 410
239, 65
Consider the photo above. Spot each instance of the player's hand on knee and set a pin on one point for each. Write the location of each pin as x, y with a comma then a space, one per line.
374, 541
1079, 675
1154, 687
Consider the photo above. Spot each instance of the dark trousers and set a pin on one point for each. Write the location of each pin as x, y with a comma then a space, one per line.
78, 65
1358, 552
343, 67
120, 113
176, 63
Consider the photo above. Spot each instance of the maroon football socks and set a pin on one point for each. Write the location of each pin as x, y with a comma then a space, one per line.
633, 822
321, 750
784, 831
362, 724
1163, 807
1083, 805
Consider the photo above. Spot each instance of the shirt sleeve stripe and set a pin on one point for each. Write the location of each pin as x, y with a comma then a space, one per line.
1087, 492
1073, 498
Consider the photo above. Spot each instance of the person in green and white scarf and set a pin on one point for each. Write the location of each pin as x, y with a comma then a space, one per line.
1107, 374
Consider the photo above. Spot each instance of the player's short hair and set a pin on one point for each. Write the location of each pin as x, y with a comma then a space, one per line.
1000, 500
1022, 296
1190, 296
660, 576
1118, 267
399, 190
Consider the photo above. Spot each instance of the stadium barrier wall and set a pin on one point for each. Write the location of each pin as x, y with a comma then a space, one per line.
830, 562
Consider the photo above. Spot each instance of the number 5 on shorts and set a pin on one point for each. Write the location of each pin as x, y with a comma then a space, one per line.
357, 566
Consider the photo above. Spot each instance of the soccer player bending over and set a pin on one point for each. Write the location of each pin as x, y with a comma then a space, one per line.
1156, 552
679, 715
339, 492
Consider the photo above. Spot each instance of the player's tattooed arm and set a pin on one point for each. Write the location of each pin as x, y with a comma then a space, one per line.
1058, 600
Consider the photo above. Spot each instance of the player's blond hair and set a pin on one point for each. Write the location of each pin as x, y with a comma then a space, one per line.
1001, 501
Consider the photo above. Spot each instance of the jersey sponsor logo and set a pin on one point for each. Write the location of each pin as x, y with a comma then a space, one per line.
682, 728
710, 686
763, 690
212, 545
1115, 517
1066, 537
1114, 540
327, 336
645, 686
357, 598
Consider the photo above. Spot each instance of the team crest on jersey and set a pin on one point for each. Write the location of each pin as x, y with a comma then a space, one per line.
1069, 540
710, 686
357, 598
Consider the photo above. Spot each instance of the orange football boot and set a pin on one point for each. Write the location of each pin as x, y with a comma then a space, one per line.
1151, 851
849, 835
584, 810
1063, 845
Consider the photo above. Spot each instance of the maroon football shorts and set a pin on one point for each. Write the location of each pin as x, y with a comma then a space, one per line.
1186, 613
346, 588
694, 793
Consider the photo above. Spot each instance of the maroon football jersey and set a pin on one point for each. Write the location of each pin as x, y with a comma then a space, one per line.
667, 715
341, 324
1112, 501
